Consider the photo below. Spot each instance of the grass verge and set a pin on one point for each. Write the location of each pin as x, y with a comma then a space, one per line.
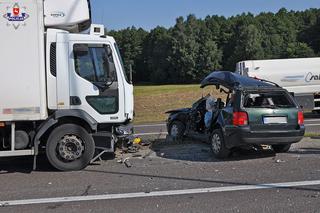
311, 134
151, 102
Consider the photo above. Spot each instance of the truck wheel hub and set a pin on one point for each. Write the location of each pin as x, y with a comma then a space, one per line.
70, 147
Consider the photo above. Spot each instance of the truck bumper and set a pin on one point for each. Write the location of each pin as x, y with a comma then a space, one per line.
240, 136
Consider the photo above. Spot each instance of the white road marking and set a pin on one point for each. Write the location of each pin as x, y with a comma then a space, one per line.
150, 125
158, 193
151, 133
311, 120
312, 124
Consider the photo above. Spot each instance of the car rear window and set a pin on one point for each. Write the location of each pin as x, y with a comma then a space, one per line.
267, 100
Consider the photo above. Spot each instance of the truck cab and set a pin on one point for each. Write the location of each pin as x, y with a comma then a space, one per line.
67, 89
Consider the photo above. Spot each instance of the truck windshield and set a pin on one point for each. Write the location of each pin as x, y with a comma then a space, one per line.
121, 62
267, 100
93, 63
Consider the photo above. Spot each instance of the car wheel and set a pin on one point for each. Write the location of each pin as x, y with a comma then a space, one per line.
70, 147
280, 148
218, 145
177, 130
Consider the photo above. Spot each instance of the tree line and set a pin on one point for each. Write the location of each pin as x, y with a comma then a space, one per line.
192, 48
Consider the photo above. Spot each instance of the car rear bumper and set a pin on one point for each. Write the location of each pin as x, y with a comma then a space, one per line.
238, 136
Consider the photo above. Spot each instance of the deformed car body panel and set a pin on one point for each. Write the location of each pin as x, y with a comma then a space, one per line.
231, 80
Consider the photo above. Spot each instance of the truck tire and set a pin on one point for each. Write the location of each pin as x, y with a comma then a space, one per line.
281, 148
176, 130
70, 147
218, 146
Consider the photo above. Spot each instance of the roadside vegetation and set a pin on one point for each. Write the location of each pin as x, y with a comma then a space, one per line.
151, 102
193, 47
312, 134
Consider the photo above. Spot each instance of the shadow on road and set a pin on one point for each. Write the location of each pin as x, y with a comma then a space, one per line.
24, 165
306, 151
201, 152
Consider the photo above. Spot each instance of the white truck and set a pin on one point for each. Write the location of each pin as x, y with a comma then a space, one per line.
63, 86
300, 76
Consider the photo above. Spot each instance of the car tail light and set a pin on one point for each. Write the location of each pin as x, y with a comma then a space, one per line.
300, 118
240, 118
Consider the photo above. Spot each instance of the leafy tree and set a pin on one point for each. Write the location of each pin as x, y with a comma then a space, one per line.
248, 46
194, 47
130, 42
299, 50
156, 51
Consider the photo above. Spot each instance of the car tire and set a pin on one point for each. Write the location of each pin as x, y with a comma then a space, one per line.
218, 146
281, 148
176, 130
70, 147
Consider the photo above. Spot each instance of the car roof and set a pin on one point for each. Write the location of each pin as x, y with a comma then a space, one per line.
233, 80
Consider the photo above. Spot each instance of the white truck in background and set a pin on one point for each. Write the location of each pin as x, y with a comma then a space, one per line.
300, 76
63, 85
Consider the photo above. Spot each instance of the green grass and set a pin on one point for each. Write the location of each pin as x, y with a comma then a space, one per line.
151, 102
311, 134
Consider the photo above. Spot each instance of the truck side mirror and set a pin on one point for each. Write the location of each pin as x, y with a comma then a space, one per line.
109, 50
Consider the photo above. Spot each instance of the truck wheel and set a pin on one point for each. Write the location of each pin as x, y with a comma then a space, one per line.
218, 145
70, 147
176, 130
280, 148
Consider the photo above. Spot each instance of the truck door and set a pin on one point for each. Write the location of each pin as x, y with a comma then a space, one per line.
94, 82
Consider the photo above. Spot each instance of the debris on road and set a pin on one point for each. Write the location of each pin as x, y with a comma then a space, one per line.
145, 143
137, 141
279, 161
127, 163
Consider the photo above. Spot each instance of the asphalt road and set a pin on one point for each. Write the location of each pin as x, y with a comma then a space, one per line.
170, 177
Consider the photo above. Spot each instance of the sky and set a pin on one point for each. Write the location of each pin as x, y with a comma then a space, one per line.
148, 14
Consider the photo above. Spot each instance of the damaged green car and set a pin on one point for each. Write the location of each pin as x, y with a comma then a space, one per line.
255, 112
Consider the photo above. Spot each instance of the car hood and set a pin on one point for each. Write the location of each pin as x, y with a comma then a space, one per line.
230, 80
178, 110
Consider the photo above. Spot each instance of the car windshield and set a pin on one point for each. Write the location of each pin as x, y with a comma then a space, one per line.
267, 100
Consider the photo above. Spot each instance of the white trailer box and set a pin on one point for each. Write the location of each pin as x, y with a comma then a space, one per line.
23, 91
300, 76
